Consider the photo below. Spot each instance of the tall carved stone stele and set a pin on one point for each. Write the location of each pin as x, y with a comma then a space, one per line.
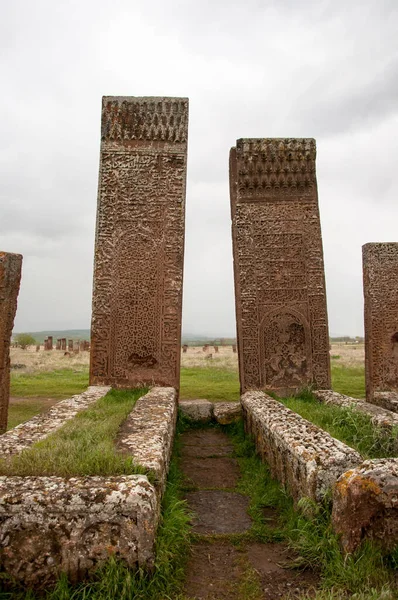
283, 340
10, 277
380, 286
139, 248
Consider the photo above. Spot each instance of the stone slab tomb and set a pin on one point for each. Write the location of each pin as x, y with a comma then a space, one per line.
139, 248
50, 525
10, 277
283, 340
380, 286
303, 457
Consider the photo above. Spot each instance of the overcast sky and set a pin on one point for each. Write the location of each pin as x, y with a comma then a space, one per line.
258, 68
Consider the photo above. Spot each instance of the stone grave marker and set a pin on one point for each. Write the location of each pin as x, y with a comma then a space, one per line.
10, 277
282, 325
139, 248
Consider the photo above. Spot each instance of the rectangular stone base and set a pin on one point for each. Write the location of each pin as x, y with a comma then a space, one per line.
303, 457
50, 525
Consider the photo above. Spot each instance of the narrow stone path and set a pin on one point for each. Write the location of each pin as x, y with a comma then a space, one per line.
222, 566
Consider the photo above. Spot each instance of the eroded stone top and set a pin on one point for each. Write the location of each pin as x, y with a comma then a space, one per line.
144, 118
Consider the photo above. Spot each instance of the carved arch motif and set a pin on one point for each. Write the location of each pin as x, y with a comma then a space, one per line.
285, 349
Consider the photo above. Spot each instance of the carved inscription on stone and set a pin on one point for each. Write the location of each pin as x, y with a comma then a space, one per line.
283, 339
380, 285
137, 298
10, 277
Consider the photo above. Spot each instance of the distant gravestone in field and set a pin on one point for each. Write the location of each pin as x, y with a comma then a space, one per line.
185, 348
280, 299
70, 345
58, 344
139, 249
48, 343
234, 348
216, 349
63, 344
380, 282
10, 277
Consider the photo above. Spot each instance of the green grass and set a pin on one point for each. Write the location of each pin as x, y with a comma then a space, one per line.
308, 530
85, 445
20, 412
347, 425
49, 384
349, 380
211, 383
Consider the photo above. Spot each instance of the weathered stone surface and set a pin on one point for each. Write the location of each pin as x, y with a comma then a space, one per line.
200, 410
365, 504
39, 427
50, 525
282, 325
303, 457
388, 400
380, 287
139, 249
148, 432
380, 416
226, 413
10, 276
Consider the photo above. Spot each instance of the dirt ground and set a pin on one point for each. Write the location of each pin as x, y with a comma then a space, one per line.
218, 569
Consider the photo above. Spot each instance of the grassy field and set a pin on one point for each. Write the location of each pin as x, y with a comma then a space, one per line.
57, 384
44, 376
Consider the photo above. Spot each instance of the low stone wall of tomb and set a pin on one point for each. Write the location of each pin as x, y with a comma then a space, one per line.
309, 462
303, 457
50, 525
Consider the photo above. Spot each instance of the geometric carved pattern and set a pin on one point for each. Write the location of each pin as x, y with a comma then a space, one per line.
380, 285
139, 248
10, 277
280, 293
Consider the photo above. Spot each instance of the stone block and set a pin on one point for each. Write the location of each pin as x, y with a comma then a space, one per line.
139, 248
26, 434
365, 504
148, 432
380, 288
381, 417
303, 457
280, 295
387, 400
50, 525
226, 413
199, 410
10, 277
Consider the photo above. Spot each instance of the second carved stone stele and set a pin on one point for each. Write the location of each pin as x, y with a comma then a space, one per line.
283, 339
380, 285
139, 249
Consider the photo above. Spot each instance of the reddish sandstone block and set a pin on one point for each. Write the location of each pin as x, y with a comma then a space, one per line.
282, 325
10, 277
139, 248
380, 287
